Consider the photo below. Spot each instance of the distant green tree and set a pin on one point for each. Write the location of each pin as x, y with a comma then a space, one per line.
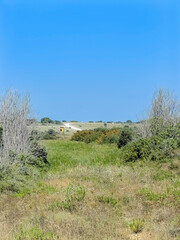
46, 120
57, 122
118, 122
128, 121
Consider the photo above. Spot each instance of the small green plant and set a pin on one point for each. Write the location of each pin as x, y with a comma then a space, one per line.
54, 205
35, 233
137, 225
75, 193
108, 200
67, 205
149, 195
162, 175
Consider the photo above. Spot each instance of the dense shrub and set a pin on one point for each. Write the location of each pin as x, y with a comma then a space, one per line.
50, 134
22, 168
125, 137
109, 136
39, 152
154, 148
98, 135
86, 136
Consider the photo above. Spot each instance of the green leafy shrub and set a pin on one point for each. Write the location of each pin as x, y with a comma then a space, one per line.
21, 167
86, 136
125, 137
39, 152
98, 135
50, 134
154, 148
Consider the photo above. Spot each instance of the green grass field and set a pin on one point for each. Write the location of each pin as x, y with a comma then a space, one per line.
88, 193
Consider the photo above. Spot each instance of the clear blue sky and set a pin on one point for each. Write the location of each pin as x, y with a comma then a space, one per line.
90, 59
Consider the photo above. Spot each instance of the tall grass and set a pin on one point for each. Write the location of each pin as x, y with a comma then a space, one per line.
63, 155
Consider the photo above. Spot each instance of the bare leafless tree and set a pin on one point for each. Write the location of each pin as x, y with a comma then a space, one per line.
165, 106
164, 111
14, 111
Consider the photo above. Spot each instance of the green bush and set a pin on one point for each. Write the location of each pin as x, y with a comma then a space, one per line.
86, 136
154, 148
98, 135
50, 134
23, 167
125, 137
39, 152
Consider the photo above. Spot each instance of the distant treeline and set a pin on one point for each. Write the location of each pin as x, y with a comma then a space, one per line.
47, 120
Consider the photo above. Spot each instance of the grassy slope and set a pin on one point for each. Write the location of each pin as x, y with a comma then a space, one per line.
115, 195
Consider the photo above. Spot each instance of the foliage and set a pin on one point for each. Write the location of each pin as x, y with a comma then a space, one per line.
108, 200
34, 233
137, 225
46, 120
86, 136
57, 122
74, 194
128, 121
23, 167
50, 134
156, 147
125, 137
98, 135
39, 152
